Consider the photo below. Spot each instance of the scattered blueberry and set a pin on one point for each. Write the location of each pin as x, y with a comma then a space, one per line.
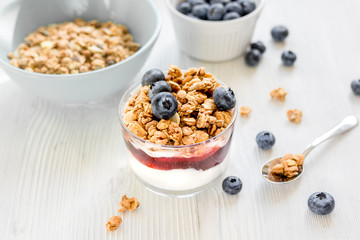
184, 7
265, 140
252, 58
233, 7
152, 76
224, 98
355, 86
247, 6
232, 185
196, 2
321, 203
231, 15
288, 58
216, 12
279, 33
200, 11
159, 86
259, 46
164, 105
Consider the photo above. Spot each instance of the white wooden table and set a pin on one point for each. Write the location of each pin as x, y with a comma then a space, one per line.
63, 168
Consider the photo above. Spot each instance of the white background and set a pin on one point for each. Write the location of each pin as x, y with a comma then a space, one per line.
63, 168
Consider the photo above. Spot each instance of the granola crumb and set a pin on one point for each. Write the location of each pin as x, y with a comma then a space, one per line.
279, 94
128, 204
113, 223
245, 111
294, 115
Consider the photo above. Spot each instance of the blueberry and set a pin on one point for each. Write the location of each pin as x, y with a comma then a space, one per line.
192, 16
279, 33
259, 46
224, 98
164, 105
200, 11
247, 6
321, 203
219, 1
216, 12
196, 2
231, 16
152, 76
233, 7
265, 140
232, 185
252, 58
355, 86
184, 7
288, 58
159, 86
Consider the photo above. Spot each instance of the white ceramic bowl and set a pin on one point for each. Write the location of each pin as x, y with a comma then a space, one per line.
213, 41
140, 16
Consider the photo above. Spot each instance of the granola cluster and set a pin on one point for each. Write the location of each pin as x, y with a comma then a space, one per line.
294, 115
74, 47
197, 118
125, 204
290, 166
279, 94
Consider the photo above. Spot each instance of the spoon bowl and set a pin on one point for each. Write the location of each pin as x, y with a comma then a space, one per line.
345, 125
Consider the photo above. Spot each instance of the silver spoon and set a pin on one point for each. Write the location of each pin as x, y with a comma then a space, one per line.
345, 125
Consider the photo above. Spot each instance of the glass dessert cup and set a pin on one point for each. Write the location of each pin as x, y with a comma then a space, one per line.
176, 170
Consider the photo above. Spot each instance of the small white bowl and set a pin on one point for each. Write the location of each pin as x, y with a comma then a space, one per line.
140, 16
213, 41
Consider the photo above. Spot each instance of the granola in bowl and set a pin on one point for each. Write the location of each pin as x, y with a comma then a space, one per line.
74, 47
186, 150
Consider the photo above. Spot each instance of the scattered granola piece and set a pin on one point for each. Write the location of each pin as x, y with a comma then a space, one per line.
279, 94
113, 223
128, 204
294, 115
245, 110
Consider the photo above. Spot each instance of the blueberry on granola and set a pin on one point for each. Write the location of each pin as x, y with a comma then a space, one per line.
216, 12
265, 140
200, 11
252, 58
232, 185
231, 15
159, 86
279, 33
288, 58
355, 86
164, 105
151, 76
224, 98
184, 7
321, 203
259, 46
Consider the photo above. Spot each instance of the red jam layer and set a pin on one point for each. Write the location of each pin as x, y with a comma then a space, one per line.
209, 159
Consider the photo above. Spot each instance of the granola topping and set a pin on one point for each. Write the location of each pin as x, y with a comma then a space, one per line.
74, 47
197, 118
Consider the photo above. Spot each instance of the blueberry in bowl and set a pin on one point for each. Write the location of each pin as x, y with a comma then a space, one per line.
178, 134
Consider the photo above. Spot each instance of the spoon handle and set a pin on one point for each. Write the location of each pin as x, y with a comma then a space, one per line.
345, 125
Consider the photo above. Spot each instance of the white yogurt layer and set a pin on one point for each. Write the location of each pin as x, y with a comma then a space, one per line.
176, 179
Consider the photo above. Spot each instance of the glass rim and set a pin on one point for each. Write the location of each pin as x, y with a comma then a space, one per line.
171, 147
